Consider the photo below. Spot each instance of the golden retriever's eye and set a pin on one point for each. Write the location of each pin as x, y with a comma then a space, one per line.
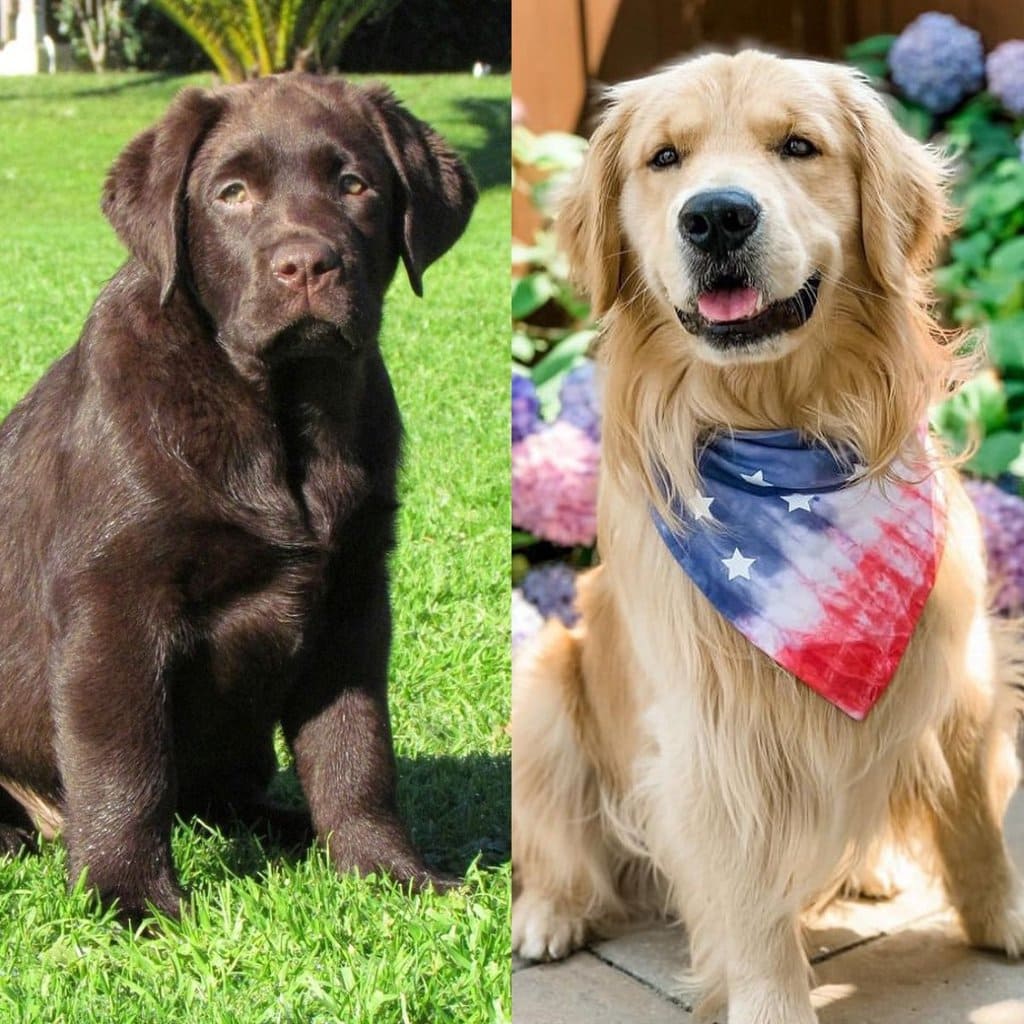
665, 157
352, 184
799, 147
234, 194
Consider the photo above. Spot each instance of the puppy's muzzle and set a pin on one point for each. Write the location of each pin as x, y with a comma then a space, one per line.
719, 221
304, 265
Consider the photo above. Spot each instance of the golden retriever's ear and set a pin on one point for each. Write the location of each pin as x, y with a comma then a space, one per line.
588, 216
904, 212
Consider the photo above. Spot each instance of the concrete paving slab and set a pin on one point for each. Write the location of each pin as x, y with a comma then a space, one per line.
922, 975
899, 961
585, 990
657, 956
848, 923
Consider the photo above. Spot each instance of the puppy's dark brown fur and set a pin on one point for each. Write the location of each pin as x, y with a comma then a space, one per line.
198, 500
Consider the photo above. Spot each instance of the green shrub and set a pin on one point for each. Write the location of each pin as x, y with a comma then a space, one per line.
980, 284
249, 38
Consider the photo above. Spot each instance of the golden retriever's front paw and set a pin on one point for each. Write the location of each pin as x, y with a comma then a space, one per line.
541, 930
1002, 929
881, 876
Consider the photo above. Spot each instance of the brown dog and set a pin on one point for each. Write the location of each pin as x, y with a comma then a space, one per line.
198, 500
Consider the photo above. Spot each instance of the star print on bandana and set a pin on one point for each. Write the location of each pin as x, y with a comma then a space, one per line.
798, 501
700, 507
825, 570
738, 566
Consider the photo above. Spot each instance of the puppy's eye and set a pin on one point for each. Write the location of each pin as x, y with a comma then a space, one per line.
665, 157
352, 184
234, 194
799, 147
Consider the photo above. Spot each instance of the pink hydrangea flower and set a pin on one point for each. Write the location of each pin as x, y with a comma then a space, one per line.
554, 484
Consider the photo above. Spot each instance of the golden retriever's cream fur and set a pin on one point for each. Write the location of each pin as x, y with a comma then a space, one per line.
659, 760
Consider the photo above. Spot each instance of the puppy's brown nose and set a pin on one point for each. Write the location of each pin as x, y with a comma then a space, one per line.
719, 220
304, 266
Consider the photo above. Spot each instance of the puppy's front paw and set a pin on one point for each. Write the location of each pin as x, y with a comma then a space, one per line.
543, 931
381, 846
425, 879
134, 908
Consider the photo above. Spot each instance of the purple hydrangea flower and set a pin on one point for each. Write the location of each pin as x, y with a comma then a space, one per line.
551, 589
1005, 69
525, 407
526, 620
554, 484
580, 399
937, 62
1002, 523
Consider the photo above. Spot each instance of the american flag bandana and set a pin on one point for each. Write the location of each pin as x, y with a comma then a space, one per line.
824, 571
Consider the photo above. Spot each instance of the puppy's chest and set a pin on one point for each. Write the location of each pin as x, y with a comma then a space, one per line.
231, 572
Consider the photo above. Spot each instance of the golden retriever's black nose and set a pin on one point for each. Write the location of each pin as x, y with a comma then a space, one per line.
719, 220
303, 266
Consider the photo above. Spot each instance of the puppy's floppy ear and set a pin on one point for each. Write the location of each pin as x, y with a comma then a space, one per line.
437, 192
144, 194
904, 211
587, 225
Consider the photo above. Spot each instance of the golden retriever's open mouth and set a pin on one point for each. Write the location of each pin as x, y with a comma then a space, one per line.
728, 315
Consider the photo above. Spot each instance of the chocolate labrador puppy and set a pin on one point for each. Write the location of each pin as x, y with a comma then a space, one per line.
198, 500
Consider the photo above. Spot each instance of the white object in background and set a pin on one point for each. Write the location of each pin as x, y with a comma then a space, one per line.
20, 56
50, 49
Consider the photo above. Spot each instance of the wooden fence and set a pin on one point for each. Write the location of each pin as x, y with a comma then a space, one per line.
558, 46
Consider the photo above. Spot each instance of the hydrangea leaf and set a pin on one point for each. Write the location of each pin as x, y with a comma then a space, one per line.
996, 454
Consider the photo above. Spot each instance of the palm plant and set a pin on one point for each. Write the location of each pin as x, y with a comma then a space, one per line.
249, 38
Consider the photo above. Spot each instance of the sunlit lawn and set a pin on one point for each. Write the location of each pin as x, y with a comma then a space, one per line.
270, 938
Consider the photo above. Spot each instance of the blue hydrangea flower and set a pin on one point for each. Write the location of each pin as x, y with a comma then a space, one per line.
937, 62
1002, 522
526, 620
581, 400
551, 589
525, 407
1005, 70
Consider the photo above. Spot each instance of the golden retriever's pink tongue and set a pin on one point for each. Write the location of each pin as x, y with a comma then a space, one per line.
728, 304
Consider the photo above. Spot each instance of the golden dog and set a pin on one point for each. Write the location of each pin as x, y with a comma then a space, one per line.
756, 234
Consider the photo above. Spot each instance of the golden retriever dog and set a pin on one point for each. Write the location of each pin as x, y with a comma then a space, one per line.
756, 235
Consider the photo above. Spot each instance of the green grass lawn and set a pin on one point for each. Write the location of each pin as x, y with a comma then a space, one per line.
270, 938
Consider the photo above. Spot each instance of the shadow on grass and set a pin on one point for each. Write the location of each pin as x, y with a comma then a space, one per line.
490, 159
457, 809
103, 87
124, 85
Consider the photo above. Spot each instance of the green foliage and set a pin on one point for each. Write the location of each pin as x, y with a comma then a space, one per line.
102, 32
981, 283
551, 329
249, 38
272, 939
871, 55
